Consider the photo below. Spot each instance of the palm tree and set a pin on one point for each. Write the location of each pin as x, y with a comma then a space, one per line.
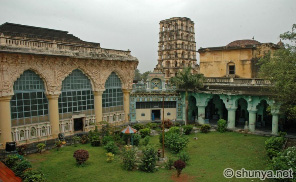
186, 81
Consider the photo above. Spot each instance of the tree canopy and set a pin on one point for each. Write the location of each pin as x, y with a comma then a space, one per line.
280, 68
186, 81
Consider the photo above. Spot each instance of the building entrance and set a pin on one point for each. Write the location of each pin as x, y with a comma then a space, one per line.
78, 124
155, 115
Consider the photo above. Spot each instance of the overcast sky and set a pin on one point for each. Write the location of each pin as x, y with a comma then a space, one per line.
134, 24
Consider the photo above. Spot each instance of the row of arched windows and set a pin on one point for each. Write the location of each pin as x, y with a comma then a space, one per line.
29, 104
175, 37
177, 46
187, 55
168, 64
175, 26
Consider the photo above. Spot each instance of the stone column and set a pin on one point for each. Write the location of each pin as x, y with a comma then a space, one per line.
53, 107
126, 100
275, 124
231, 118
98, 105
5, 120
275, 110
252, 120
201, 114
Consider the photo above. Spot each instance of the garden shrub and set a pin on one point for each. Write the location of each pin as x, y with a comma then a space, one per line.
168, 123
21, 150
146, 140
84, 139
285, 160
138, 126
20, 167
273, 146
184, 156
129, 159
145, 132
175, 142
282, 134
187, 129
136, 139
107, 139
111, 147
153, 126
222, 125
95, 141
106, 129
33, 176
40, 147
81, 156
149, 160
11, 160
179, 165
76, 140
205, 128
169, 163
110, 157
94, 137
174, 129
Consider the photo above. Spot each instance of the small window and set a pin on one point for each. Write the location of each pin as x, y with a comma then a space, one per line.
168, 114
231, 69
143, 114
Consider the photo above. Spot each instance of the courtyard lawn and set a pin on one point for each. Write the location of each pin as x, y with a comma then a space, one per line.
210, 154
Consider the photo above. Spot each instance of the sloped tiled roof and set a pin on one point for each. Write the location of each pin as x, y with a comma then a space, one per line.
31, 32
240, 43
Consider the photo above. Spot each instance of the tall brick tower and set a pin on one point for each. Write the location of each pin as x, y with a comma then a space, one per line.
176, 46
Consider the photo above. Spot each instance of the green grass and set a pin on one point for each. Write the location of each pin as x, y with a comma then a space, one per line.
210, 155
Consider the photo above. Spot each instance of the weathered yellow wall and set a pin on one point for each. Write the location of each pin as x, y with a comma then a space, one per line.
214, 63
147, 112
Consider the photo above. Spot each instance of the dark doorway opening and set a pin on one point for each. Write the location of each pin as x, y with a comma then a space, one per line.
78, 124
155, 115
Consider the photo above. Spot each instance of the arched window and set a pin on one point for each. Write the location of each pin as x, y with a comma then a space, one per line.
33, 132
29, 103
76, 96
113, 96
167, 64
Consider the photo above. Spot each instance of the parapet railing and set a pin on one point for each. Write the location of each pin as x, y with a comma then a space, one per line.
57, 46
236, 81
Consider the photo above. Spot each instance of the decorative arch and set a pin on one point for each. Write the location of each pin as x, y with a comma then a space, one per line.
36, 71
28, 104
113, 96
83, 71
76, 95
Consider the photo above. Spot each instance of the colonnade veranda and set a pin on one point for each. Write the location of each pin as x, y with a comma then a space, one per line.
231, 104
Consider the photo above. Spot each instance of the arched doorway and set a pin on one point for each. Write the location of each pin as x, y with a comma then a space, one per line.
264, 117
242, 114
192, 110
215, 110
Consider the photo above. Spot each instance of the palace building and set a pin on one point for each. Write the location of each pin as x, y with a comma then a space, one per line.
232, 89
52, 82
238, 59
